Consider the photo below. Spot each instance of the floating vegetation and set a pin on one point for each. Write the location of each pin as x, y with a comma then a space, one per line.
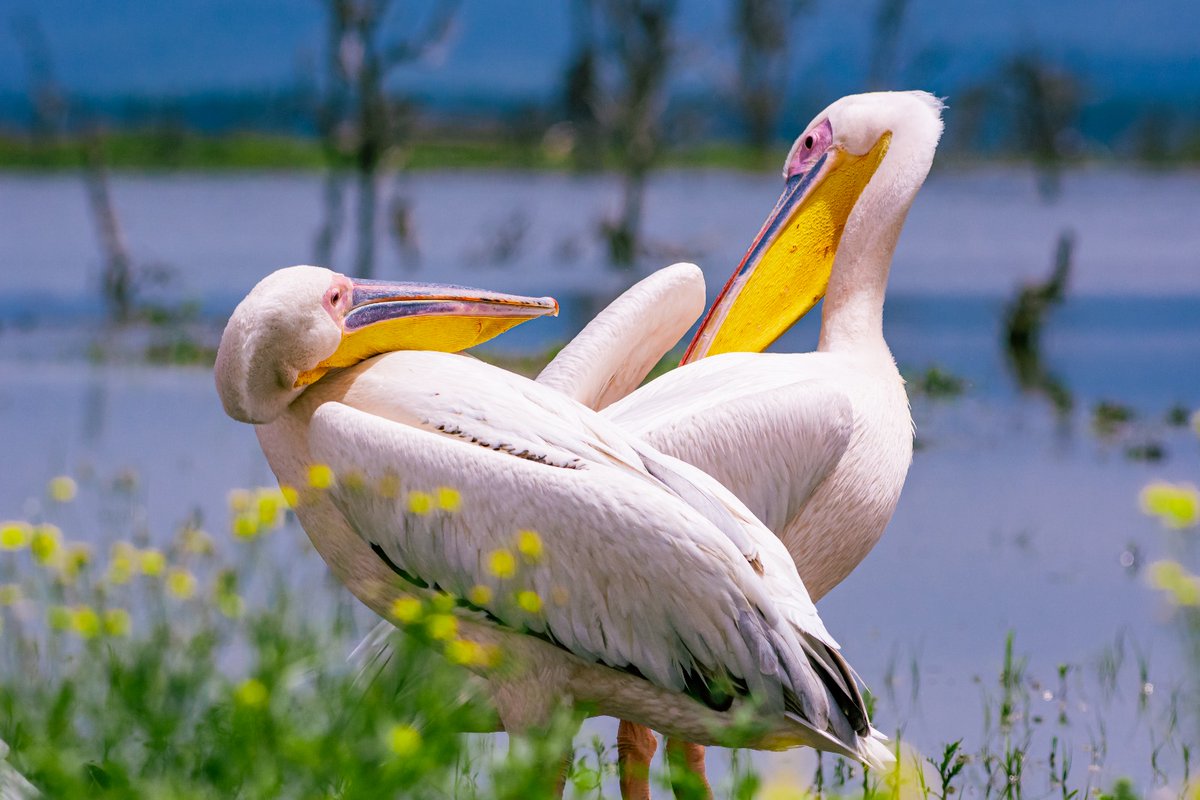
936, 383
1148, 451
1109, 418
1177, 416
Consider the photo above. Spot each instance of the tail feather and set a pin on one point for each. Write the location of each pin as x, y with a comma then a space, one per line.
839, 680
874, 753
824, 696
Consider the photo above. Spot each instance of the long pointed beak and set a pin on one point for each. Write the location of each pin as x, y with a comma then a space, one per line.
374, 302
786, 270
386, 316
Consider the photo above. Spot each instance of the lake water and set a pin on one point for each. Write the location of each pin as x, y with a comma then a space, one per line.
1014, 518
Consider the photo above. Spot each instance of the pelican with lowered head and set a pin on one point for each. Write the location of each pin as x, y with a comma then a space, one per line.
324, 367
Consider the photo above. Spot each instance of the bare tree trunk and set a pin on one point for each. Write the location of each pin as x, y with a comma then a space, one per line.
1047, 111
117, 278
763, 30
368, 196
51, 121
403, 229
359, 121
624, 235
333, 203
641, 48
581, 98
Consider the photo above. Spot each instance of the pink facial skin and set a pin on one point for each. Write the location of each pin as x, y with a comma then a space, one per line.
809, 148
338, 298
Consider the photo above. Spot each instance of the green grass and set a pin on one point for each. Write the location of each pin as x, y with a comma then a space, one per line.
180, 673
178, 150
166, 151
254, 151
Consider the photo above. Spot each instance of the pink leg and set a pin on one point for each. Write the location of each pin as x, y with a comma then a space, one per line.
635, 750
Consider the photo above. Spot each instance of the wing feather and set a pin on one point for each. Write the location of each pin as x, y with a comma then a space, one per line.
762, 425
589, 557
645, 564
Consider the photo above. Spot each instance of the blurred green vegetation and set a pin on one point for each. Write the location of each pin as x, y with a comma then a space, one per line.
171, 150
177, 150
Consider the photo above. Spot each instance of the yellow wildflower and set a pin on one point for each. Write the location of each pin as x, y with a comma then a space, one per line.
442, 603
1172, 578
10, 594
320, 476
420, 503
270, 508
125, 550
781, 787
181, 583
470, 654
71, 560
120, 570
59, 618
442, 627
290, 496
79, 554
448, 499
196, 541
354, 481
15, 535
1176, 506
530, 601
404, 740
62, 489
45, 543
406, 610
151, 562
117, 622
530, 545
480, 595
239, 500
502, 564
251, 693
85, 621
245, 525
389, 486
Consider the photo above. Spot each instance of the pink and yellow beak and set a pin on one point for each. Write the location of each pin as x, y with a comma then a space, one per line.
786, 270
386, 316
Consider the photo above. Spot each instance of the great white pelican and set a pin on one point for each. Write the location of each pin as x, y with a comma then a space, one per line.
816, 444
660, 598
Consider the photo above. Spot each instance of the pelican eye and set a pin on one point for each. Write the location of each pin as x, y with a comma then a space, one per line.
335, 297
808, 142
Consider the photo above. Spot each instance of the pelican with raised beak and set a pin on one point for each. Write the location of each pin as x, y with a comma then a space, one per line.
817, 444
